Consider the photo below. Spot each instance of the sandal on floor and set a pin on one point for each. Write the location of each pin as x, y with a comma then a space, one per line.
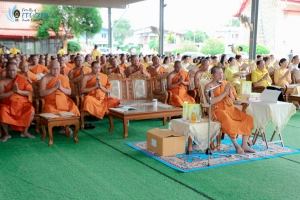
91, 126
87, 126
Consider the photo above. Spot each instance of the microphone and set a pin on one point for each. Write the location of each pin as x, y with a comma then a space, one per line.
219, 82
212, 88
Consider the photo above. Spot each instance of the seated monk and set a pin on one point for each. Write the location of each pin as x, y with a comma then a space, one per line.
95, 86
202, 73
178, 81
115, 68
71, 63
54, 89
15, 108
104, 64
123, 64
64, 69
135, 67
156, 67
78, 69
31, 77
260, 76
233, 121
38, 69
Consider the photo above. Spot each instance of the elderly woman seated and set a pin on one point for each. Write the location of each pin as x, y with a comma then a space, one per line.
260, 76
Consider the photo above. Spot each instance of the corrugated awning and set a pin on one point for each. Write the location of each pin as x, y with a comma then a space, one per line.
24, 34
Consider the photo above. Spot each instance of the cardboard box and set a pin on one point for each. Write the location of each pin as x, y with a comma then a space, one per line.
165, 142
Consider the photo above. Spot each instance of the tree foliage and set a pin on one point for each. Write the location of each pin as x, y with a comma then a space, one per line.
154, 43
186, 46
73, 46
198, 35
170, 38
213, 47
260, 49
121, 30
235, 22
73, 20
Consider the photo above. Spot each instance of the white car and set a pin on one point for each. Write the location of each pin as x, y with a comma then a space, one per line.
192, 54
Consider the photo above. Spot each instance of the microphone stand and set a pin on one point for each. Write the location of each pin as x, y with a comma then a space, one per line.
208, 151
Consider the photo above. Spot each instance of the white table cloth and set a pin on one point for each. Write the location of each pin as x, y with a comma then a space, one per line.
197, 131
279, 113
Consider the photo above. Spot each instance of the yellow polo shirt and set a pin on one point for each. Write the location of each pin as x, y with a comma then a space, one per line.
14, 51
96, 53
61, 52
257, 75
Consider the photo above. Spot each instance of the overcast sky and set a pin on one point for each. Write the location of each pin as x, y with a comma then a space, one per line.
179, 15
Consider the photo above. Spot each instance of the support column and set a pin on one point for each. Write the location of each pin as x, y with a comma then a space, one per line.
109, 31
161, 27
253, 33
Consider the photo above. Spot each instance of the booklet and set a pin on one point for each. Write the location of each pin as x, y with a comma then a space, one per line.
124, 108
269, 96
49, 115
66, 114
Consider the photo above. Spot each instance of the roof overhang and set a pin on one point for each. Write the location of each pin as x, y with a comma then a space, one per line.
84, 3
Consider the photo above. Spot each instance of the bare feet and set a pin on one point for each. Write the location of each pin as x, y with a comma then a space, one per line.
26, 134
5, 138
239, 150
247, 149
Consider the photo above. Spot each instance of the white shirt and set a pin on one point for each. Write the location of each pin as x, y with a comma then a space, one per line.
292, 67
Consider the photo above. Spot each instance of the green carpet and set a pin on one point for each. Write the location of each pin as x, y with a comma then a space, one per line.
101, 166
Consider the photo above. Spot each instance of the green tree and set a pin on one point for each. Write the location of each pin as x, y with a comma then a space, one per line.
154, 43
73, 46
213, 47
121, 30
197, 36
235, 22
260, 49
170, 38
186, 46
70, 19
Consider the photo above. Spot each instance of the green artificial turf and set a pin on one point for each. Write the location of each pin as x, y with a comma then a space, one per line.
101, 166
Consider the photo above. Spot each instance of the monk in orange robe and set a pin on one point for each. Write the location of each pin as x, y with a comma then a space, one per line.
155, 68
37, 68
54, 89
31, 77
233, 121
115, 68
95, 86
135, 67
15, 108
123, 65
79, 69
178, 82
64, 70
71, 63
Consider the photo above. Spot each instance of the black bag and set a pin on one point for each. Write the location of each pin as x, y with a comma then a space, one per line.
280, 97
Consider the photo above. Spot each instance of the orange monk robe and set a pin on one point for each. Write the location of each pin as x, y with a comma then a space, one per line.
123, 66
78, 71
16, 110
70, 65
32, 76
96, 102
160, 71
233, 121
66, 69
58, 101
179, 93
40, 69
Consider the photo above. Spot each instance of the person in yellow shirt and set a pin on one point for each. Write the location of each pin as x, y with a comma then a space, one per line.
61, 51
238, 52
260, 76
14, 50
154, 52
96, 53
231, 73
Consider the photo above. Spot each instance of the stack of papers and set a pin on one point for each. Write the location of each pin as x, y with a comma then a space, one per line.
49, 115
66, 114
124, 108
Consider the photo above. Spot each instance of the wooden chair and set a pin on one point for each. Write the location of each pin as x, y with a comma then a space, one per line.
75, 90
160, 88
191, 89
258, 89
118, 86
139, 87
36, 100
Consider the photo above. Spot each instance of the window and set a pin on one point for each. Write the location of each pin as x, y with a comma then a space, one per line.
103, 35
